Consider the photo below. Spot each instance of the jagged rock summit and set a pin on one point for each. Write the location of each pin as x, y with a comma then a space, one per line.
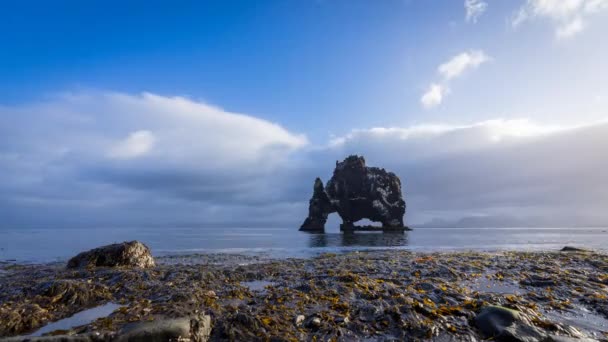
355, 192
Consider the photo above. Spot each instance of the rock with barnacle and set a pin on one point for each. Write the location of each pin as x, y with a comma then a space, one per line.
126, 254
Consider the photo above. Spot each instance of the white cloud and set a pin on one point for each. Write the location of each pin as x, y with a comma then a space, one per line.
454, 68
433, 96
135, 145
474, 9
569, 17
479, 135
496, 168
179, 160
555, 8
462, 62
194, 132
178, 130
175, 145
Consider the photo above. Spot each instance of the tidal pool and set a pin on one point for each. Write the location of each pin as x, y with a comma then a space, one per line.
581, 318
78, 319
257, 285
483, 284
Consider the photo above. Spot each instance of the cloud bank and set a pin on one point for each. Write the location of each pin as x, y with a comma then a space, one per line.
103, 152
110, 158
515, 170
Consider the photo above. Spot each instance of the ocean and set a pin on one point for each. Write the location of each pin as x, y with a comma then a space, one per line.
57, 245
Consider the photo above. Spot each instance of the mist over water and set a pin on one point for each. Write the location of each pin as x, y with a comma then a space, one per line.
48, 245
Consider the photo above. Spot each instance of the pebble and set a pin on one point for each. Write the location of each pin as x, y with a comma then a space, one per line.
300, 320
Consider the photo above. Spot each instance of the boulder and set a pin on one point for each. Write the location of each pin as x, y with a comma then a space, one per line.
194, 329
126, 254
573, 249
355, 192
504, 324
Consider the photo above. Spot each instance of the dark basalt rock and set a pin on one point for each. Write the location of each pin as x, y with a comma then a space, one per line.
357, 192
129, 254
319, 208
573, 249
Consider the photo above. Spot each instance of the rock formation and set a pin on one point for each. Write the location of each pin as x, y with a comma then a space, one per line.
130, 254
319, 207
355, 192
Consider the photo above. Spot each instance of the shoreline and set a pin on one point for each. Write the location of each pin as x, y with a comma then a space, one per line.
200, 255
59, 245
375, 294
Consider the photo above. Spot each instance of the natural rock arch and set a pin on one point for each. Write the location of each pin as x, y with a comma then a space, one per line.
355, 192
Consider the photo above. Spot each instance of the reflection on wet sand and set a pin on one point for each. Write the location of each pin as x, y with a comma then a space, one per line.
358, 240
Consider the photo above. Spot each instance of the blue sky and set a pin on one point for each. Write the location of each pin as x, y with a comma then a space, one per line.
89, 94
293, 62
351, 64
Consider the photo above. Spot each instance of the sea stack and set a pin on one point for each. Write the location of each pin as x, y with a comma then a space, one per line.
355, 192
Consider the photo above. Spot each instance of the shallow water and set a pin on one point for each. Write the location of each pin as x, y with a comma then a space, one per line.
58, 244
581, 318
257, 285
78, 319
483, 284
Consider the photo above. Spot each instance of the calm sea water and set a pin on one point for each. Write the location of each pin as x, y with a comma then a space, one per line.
46, 245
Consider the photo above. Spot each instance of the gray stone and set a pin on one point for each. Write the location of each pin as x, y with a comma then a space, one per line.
194, 329
300, 320
129, 254
505, 324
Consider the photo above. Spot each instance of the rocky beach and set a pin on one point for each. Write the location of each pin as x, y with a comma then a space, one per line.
381, 295
313, 170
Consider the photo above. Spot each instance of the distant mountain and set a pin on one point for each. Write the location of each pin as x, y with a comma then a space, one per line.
504, 222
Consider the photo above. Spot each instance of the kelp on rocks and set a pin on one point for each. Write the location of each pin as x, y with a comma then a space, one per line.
375, 295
